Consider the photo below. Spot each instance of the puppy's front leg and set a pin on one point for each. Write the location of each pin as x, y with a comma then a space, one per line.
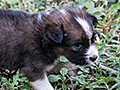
41, 84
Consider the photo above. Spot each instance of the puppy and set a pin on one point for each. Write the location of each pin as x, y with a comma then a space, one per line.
32, 42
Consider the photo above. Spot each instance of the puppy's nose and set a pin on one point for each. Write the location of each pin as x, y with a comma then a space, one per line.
93, 58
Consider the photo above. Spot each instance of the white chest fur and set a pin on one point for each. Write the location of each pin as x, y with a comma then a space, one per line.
41, 84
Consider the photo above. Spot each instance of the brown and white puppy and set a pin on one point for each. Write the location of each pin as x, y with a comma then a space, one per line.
32, 42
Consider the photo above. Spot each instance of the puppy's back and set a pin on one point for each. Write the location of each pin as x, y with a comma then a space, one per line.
15, 37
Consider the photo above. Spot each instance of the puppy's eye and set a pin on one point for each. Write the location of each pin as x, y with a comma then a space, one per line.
77, 46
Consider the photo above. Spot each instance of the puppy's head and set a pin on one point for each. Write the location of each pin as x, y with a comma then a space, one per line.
71, 32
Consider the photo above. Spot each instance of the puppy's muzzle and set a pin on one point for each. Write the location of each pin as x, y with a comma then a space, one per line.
92, 54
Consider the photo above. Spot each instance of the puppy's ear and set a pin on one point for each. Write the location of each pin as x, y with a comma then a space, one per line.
93, 19
55, 33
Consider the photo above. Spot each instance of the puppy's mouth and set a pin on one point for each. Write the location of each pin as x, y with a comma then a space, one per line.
87, 60
82, 61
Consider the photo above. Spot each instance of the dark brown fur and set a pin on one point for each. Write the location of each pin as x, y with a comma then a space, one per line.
28, 43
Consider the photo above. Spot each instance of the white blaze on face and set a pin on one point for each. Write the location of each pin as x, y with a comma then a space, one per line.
39, 17
47, 12
85, 26
41, 84
63, 11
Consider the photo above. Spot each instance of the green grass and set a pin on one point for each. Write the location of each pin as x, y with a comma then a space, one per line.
93, 77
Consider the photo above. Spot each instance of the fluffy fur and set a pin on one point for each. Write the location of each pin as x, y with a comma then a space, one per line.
32, 42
